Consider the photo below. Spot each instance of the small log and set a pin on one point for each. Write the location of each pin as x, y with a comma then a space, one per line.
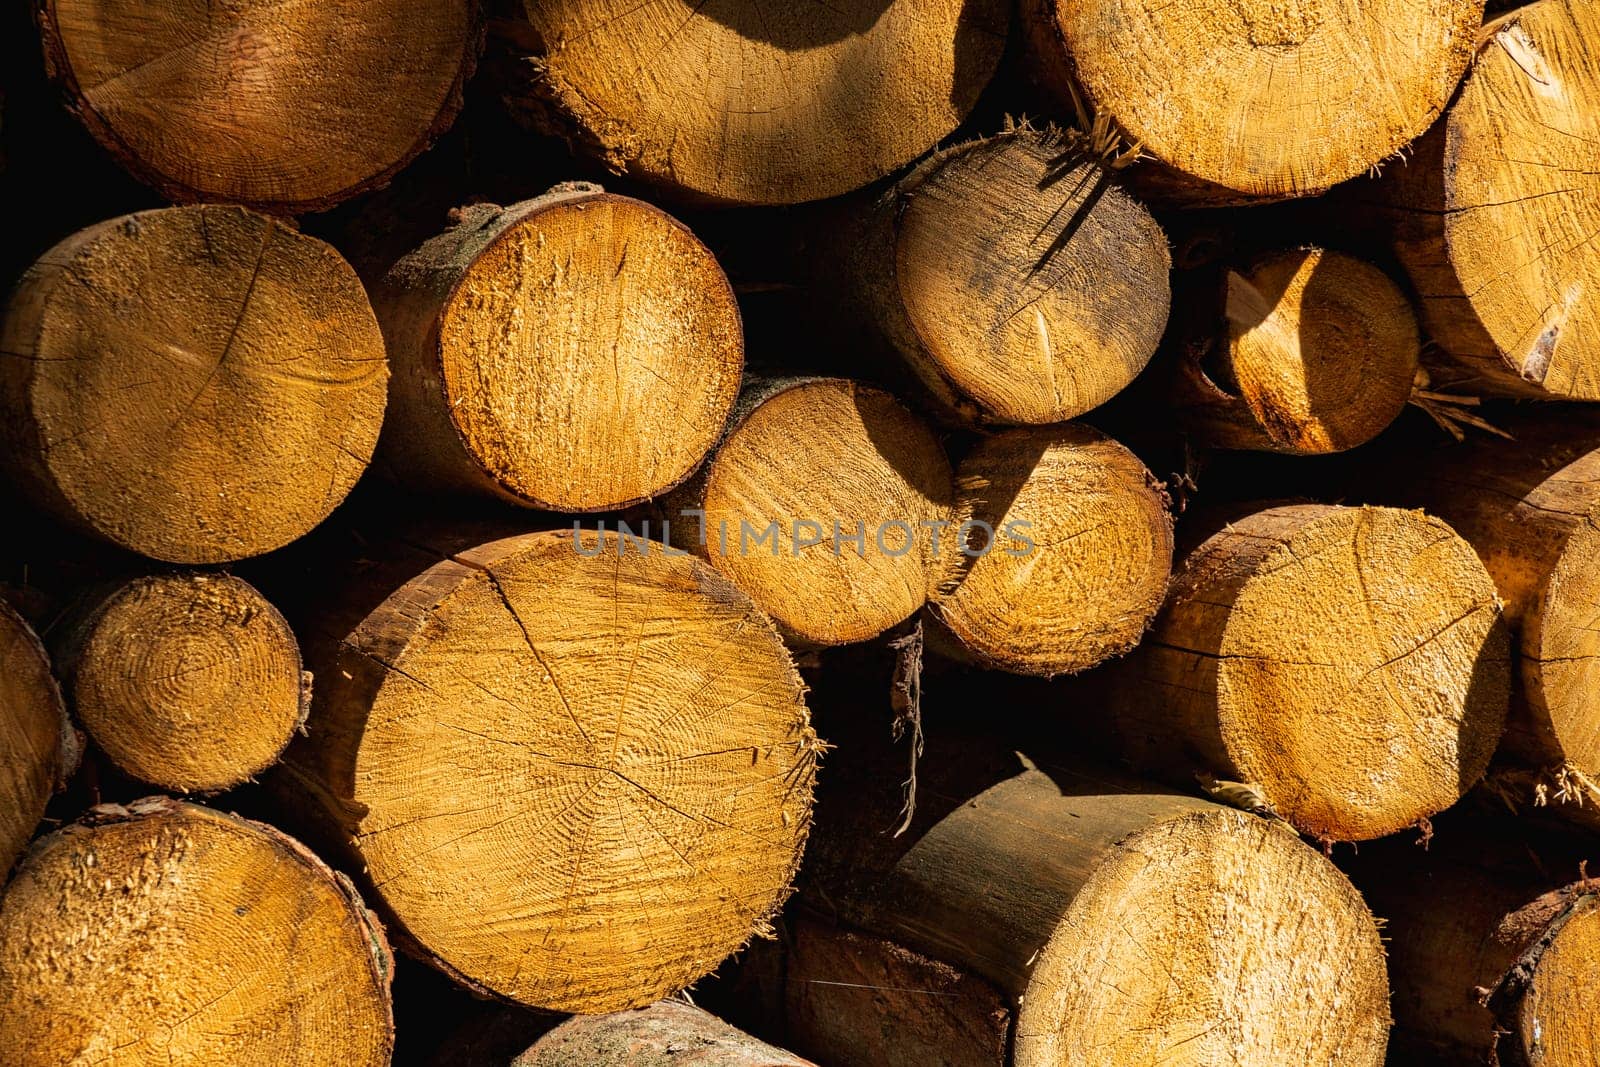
196, 384
744, 103
1348, 664
287, 111
1013, 275
1488, 216
38, 748
828, 503
165, 932
190, 682
1304, 352
668, 1033
1255, 100
576, 772
1076, 552
1056, 883
576, 352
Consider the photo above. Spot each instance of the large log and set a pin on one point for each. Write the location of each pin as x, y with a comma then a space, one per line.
1076, 552
1350, 663
1114, 918
288, 111
1303, 351
751, 103
828, 503
38, 748
1494, 961
1493, 218
196, 384
575, 352
668, 1033
1256, 99
168, 933
1013, 275
1531, 509
191, 682
576, 771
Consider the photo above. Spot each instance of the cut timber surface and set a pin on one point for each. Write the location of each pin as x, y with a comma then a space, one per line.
1489, 965
1499, 209
191, 682
807, 465
1531, 508
289, 109
167, 933
38, 749
1256, 98
1015, 277
1348, 662
576, 775
1081, 555
669, 1033
195, 384
575, 352
1115, 919
755, 103
1304, 352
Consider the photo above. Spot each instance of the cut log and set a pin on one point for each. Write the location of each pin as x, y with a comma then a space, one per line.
748, 103
575, 352
1490, 965
576, 771
827, 502
169, 933
1014, 276
1266, 956
38, 748
668, 1033
191, 682
1494, 214
1304, 352
1076, 551
195, 384
1531, 508
287, 111
1349, 664
840, 986
1256, 99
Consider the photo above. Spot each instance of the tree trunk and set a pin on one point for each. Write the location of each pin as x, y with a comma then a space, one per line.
1076, 546
1054, 884
190, 682
575, 352
1349, 663
195, 384
1531, 508
38, 748
1303, 352
745, 104
1013, 275
1257, 99
668, 1033
851, 998
1490, 965
828, 503
286, 111
169, 933
576, 773
1491, 216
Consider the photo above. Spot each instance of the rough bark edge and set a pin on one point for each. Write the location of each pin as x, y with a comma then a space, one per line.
59, 70
69, 747
462, 251
1544, 919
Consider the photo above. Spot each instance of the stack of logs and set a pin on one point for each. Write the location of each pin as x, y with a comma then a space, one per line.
1143, 500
